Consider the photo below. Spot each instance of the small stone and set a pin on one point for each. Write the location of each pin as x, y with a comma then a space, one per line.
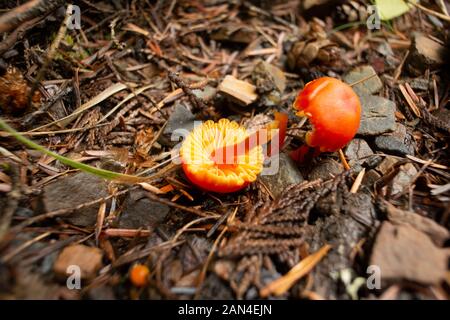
378, 116
326, 170
73, 190
270, 82
425, 54
367, 87
404, 253
179, 125
386, 165
286, 175
370, 177
404, 178
357, 152
141, 212
435, 231
399, 142
88, 259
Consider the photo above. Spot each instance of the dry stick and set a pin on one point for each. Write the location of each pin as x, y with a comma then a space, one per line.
362, 80
27, 11
45, 133
157, 166
113, 89
343, 160
202, 274
51, 101
399, 69
187, 225
429, 11
23, 246
127, 233
178, 206
435, 121
443, 7
358, 181
100, 219
17, 35
268, 14
198, 102
51, 52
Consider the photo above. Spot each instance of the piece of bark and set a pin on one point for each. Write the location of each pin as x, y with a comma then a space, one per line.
425, 54
27, 11
436, 232
240, 91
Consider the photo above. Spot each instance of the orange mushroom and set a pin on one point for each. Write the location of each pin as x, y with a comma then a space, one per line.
222, 157
334, 110
229, 172
139, 275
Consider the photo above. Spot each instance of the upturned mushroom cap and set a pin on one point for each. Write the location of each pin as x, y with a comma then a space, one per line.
334, 110
205, 170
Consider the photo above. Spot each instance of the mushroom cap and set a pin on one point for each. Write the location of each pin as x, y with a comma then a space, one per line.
334, 110
139, 275
200, 166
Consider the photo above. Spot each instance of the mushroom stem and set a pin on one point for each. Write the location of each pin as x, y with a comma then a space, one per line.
228, 154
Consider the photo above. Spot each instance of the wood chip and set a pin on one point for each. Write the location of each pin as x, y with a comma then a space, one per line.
126, 233
358, 181
149, 187
241, 91
427, 162
410, 101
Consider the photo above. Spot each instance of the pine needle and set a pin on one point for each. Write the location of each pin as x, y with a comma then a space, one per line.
279, 286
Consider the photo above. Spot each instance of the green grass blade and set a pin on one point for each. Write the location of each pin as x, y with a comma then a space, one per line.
106, 174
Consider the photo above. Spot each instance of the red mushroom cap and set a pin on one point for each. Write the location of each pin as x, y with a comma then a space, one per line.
334, 111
